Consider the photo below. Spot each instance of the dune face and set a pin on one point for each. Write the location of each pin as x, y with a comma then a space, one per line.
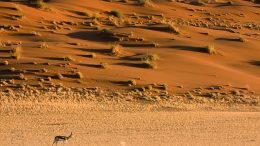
174, 46
208, 50
125, 72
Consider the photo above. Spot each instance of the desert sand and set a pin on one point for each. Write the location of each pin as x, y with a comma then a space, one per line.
138, 128
130, 72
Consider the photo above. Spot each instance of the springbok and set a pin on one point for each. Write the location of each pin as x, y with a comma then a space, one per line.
61, 138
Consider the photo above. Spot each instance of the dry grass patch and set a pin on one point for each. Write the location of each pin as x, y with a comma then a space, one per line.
145, 3
68, 58
4, 63
172, 28
132, 83
149, 60
115, 49
16, 52
79, 75
116, 13
38, 4
150, 57
210, 49
103, 65
149, 64
58, 76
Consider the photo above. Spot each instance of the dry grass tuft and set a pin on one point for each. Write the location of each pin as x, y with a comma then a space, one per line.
173, 28
149, 60
150, 57
210, 49
69, 58
79, 75
58, 76
132, 83
103, 65
145, 3
38, 4
149, 64
16, 52
115, 49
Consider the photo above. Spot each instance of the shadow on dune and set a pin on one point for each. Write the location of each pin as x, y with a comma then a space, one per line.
189, 48
228, 4
138, 65
156, 27
54, 58
86, 56
9, 8
92, 36
136, 57
255, 62
90, 65
229, 39
99, 51
120, 83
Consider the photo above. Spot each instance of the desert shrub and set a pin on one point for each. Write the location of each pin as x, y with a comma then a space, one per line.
79, 75
16, 52
149, 64
210, 49
115, 50
145, 2
150, 57
38, 3
116, 13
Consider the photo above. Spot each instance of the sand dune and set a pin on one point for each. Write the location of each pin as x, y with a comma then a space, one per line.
154, 55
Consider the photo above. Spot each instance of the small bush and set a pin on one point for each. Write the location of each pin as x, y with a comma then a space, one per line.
150, 57
38, 3
103, 65
116, 13
210, 49
79, 75
58, 76
131, 83
173, 28
16, 52
69, 58
149, 64
115, 49
145, 2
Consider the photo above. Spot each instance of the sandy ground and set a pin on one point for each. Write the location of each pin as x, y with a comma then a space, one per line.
132, 129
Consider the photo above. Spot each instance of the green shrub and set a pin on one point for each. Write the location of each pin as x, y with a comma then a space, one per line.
116, 13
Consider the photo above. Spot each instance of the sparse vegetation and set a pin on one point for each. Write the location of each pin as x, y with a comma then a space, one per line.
130, 34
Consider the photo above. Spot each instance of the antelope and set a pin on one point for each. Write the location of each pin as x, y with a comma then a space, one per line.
61, 138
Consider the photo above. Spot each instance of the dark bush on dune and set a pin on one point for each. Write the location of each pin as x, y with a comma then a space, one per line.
38, 3
256, 1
